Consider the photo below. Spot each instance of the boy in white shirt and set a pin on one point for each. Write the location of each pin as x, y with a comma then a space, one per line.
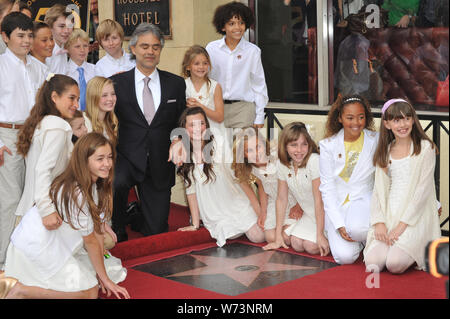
77, 68
110, 36
236, 65
59, 22
20, 78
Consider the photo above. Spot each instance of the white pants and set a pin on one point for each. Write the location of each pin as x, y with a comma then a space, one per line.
357, 221
12, 178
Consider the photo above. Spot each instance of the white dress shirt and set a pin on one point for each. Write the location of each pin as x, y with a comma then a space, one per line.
154, 85
240, 73
44, 65
57, 63
19, 84
108, 66
89, 70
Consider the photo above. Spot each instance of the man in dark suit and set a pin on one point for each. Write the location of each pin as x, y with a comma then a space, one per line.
149, 104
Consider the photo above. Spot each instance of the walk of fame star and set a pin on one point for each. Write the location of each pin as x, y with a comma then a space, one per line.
235, 268
243, 270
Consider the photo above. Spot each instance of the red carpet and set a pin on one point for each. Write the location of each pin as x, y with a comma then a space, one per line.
342, 282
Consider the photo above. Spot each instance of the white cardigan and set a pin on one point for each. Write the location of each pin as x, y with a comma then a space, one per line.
332, 161
418, 209
48, 157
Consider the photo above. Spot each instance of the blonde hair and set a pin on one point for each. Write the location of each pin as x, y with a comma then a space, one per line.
94, 91
75, 35
106, 28
241, 166
290, 133
190, 55
54, 13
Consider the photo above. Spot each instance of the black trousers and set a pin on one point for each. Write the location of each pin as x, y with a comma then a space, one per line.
155, 203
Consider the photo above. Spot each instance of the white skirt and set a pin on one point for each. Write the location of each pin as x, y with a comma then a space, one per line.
305, 228
77, 274
271, 218
54, 259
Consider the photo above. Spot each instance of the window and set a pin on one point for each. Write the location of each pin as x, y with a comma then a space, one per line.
406, 56
286, 35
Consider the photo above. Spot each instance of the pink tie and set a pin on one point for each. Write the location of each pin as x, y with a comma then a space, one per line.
149, 104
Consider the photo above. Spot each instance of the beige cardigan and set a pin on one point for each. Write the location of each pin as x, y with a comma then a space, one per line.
418, 208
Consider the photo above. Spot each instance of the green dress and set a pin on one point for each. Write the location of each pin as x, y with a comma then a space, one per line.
398, 8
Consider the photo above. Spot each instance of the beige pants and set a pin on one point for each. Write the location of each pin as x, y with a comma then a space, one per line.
239, 114
12, 178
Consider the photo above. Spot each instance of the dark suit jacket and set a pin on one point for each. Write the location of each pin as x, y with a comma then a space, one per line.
147, 146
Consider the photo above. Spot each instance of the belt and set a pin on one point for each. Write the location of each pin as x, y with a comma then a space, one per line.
230, 101
13, 126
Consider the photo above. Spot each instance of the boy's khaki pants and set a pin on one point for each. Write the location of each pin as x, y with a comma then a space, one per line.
12, 179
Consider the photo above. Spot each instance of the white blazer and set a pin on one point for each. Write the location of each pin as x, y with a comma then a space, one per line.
332, 161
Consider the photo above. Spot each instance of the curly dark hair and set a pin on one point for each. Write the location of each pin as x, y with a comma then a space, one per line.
333, 125
226, 12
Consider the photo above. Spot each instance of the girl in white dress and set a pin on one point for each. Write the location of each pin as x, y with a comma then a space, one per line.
254, 161
347, 176
100, 102
404, 208
299, 172
212, 193
204, 92
45, 142
77, 264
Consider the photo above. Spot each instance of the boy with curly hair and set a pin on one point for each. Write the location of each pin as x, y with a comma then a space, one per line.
236, 65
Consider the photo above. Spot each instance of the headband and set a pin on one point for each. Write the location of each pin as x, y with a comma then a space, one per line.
389, 103
351, 99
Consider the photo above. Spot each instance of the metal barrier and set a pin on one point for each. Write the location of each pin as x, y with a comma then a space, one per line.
435, 118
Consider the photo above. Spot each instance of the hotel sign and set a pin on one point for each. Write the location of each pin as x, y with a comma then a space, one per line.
130, 13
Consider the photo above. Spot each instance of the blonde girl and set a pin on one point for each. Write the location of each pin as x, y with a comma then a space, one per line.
254, 161
202, 91
299, 172
404, 207
100, 102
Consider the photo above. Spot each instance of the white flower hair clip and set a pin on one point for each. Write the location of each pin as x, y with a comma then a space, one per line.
49, 76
